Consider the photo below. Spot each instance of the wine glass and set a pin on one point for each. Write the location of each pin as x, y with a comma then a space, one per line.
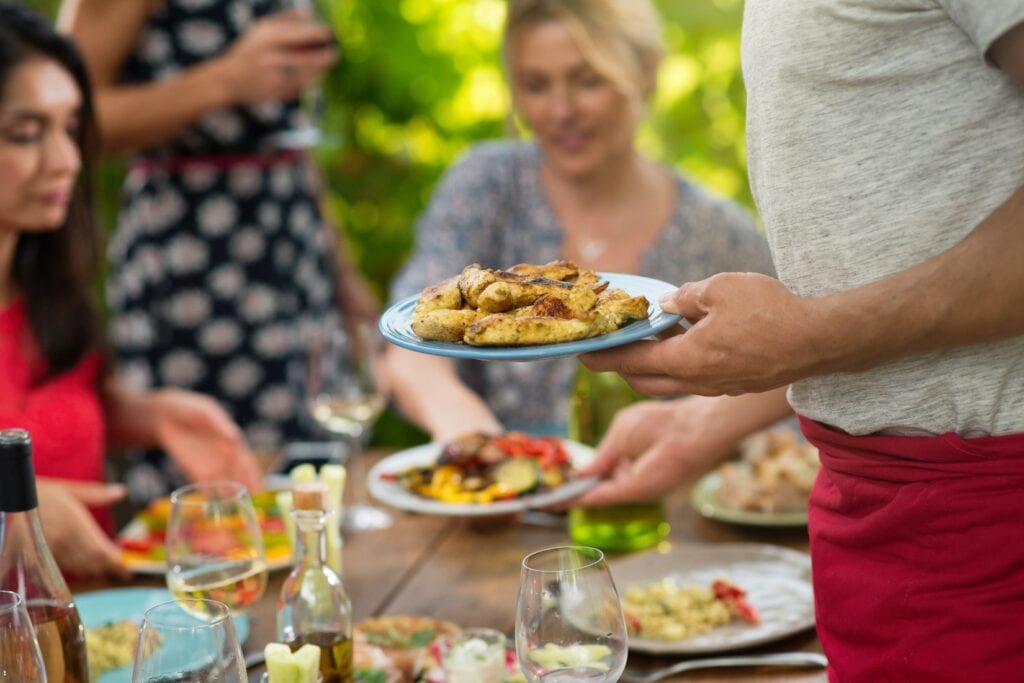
215, 547
20, 658
177, 645
345, 388
305, 131
569, 624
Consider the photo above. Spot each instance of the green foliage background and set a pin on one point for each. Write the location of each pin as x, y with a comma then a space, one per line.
420, 80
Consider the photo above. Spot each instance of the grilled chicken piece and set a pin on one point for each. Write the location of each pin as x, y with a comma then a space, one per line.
503, 296
443, 295
576, 302
444, 325
505, 329
618, 309
547, 306
473, 280
566, 271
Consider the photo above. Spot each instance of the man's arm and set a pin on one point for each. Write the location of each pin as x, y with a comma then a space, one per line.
751, 334
1008, 53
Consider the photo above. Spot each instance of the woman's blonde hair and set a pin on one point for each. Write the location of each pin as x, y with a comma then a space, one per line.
621, 39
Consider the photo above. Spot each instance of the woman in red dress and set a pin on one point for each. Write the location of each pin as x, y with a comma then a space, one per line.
54, 381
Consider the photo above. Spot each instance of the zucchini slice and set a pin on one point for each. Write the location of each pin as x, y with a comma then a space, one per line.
519, 475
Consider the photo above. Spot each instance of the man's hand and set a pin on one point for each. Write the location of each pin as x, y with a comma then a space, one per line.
749, 334
76, 541
202, 438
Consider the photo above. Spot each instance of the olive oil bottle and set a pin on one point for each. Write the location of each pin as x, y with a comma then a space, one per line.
314, 607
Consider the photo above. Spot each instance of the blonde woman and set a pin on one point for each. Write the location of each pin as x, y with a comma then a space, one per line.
581, 73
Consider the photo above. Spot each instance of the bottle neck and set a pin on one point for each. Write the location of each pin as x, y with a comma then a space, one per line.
311, 533
26, 563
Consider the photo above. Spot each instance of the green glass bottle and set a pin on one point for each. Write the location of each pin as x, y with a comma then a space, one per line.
596, 397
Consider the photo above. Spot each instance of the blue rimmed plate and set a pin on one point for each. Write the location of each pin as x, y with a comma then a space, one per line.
99, 608
396, 326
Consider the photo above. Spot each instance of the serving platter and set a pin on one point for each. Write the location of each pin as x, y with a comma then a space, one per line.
396, 326
777, 581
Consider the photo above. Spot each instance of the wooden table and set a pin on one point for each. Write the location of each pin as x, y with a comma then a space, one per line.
468, 572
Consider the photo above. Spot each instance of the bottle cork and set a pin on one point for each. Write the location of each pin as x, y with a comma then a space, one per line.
310, 496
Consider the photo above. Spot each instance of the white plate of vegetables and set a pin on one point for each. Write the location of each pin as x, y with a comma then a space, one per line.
478, 475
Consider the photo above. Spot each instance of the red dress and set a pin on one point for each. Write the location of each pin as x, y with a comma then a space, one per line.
64, 414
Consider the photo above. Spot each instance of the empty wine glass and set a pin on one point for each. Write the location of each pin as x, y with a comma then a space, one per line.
20, 658
214, 547
569, 624
345, 390
178, 646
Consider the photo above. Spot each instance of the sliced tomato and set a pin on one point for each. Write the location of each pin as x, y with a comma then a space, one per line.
736, 599
136, 545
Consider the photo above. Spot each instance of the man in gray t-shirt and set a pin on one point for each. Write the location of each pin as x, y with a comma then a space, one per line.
885, 141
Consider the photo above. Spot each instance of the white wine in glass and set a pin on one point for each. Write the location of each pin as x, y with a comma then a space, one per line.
215, 547
177, 645
569, 623
346, 392
346, 416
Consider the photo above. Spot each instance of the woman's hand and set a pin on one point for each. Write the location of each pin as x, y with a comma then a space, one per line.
202, 438
276, 59
77, 542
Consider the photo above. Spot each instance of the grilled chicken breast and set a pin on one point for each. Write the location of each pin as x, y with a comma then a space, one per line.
523, 306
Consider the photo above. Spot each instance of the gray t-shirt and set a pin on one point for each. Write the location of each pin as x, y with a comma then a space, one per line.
491, 208
878, 137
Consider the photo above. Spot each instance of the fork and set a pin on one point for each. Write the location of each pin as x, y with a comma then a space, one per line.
780, 659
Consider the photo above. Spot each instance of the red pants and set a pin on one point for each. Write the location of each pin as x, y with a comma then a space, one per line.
917, 546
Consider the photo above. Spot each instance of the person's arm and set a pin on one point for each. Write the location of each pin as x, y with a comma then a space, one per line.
653, 446
1008, 53
355, 300
751, 334
460, 226
263, 65
429, 392
192, 428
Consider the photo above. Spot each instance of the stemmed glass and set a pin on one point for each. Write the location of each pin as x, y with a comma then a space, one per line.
20, 658
305, 132
569, 624
176, 645
345, 389
215, 547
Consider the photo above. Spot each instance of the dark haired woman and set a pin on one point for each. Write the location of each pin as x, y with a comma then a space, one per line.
53, 380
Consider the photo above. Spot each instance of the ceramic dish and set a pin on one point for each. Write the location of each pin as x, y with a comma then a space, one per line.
777, 581
142, 539
396, 326
386, 490
704, 500
100, 608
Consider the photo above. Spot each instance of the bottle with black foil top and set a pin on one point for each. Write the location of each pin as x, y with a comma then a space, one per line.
27, 566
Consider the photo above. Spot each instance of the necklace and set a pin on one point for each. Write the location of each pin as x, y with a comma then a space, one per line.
591, 248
